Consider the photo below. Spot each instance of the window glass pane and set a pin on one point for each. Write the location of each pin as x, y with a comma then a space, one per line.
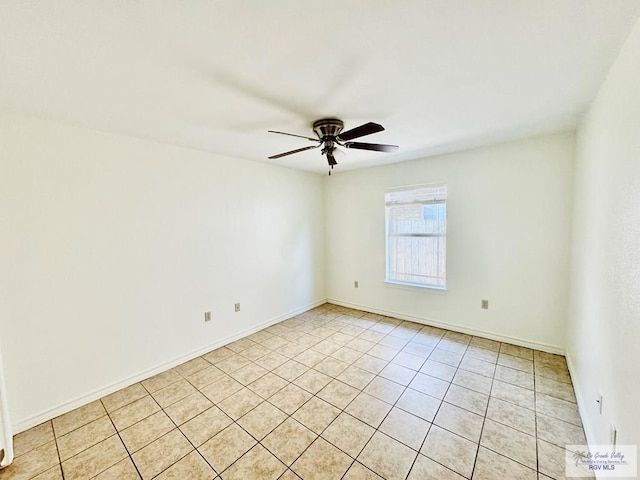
416, 236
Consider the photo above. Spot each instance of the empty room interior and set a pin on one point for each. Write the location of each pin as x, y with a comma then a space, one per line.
319, 240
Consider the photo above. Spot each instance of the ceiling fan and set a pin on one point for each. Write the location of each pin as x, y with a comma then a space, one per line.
330, 135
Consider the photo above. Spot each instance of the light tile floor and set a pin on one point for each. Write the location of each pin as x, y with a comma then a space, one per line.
333, 393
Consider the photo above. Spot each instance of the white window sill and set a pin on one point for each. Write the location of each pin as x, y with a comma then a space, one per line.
417, 287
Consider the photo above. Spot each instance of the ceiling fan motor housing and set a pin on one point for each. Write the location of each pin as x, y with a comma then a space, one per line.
328, 128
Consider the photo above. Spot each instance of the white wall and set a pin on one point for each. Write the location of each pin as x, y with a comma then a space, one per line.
112, 248
508, 235
604, 320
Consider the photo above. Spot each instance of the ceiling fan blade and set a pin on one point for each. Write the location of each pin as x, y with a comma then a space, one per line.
377, 147
298, 150
361, 131
331, 159
294, 135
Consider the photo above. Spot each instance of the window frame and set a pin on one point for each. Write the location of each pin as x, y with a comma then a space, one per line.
400, 283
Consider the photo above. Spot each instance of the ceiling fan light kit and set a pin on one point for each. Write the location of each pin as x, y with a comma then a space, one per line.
329, 136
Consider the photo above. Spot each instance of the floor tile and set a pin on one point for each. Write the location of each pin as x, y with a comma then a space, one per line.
559, 432
232, 363
476, 365
161, 454
516, 351
268, 385
438, 370
459, 421
221, 389
188, 407
557, 408
226, 447
356, 377
443, 356
348, 433
426, 469
338, 394
553, 388
357, 471
94, 460
218, 355
161, 380
255, 352
256, 464
240, 403
473, 381
204, 377
192, 366
512, 415
146, 431
123, 397
290, 398
205, 425
78, 417
84, 437
174, 392
272, 360
322, 461
405, 400
290, 370
35, 462
347, 354
368, 409
316, 414
516, 377
390, 458
512, 393
452, 451
289, 440
408, 360
54, 473
480, 353
491, 465
419, 404
509, 442
249, 373
406, 428
552, 463
398, 374
312, 381
517, 363
559, 374
33, 438
468, 399
384, 389
370, 363
123, 470
331, 366
309, 358
262, 420
430, 385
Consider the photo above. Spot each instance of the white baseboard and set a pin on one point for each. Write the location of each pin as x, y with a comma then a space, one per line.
456, 328
65, 407
588, 431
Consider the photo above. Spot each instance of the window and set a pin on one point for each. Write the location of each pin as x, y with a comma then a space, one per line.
416, 226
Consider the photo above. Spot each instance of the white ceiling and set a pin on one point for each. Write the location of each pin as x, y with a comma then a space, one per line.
440, 75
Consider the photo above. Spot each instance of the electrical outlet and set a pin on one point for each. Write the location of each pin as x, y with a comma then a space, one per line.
207, 316
355, 284
484, 304
599, 402
613, 436
237, 307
